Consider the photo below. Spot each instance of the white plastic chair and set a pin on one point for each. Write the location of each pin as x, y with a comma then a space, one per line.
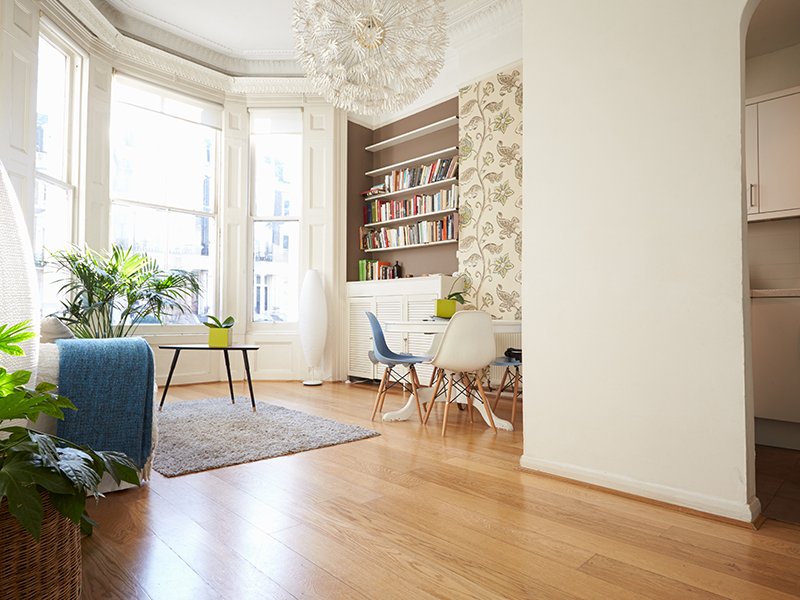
467, 347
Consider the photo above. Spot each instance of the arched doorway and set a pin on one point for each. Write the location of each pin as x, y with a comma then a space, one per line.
771, 32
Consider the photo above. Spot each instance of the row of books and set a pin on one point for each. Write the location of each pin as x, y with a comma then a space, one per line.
442, 168
375, 270
378, 211
423, 232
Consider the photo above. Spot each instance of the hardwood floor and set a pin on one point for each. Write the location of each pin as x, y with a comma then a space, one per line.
412, 515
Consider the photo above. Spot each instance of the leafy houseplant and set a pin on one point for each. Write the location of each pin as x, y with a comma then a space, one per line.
110, 293
219, 332
36, 465
446, 307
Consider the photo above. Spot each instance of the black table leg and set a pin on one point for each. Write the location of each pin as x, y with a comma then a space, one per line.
169, 378
228, 369
249, 380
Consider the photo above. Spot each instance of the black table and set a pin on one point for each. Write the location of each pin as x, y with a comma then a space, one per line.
225, 349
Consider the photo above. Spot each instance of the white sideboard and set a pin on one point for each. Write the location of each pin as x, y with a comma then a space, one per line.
390, 300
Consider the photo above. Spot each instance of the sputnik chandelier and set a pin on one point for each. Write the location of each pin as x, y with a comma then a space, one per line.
370, 56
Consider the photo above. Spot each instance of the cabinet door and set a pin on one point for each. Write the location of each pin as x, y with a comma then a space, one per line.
390, 308
360, 338
751, 156
778, 152
420, 307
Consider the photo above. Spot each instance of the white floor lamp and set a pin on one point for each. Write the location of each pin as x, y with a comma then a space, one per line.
313, 322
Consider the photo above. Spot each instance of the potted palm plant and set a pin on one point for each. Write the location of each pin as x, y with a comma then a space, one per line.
44, 484
108, 294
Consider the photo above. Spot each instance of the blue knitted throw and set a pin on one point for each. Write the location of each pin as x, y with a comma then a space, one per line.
111, 383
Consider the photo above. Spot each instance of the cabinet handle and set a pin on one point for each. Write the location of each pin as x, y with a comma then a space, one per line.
752, 195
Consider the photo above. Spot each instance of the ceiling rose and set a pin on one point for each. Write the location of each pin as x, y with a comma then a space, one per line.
370, 56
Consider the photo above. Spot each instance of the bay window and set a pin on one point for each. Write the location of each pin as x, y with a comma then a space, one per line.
276, 146
164, 181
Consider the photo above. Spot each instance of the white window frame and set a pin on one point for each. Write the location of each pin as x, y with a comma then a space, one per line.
75, 121
150, 329
271, 326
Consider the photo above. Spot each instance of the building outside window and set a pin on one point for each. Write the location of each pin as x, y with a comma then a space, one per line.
58, 110
164, 181
276, 205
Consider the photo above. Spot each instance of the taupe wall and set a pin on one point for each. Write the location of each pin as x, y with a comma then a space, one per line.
417, 261
358, 162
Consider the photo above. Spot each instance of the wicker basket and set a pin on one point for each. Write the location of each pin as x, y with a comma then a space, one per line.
49, 569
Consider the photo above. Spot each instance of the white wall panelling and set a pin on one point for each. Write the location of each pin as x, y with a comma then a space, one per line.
19, 39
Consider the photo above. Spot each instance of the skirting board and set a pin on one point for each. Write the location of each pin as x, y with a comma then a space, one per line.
745, 512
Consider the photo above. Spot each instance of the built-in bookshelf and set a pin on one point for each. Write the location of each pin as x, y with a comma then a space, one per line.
403, 196
413, 202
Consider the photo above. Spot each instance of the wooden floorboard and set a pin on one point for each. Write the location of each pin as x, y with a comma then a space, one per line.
410, 514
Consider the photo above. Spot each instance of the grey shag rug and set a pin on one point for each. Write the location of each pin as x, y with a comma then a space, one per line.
207, 434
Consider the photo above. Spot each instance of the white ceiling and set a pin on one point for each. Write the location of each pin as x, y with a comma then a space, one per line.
254, 37
238, 37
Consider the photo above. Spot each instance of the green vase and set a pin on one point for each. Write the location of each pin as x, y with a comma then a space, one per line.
445, 308
219, 337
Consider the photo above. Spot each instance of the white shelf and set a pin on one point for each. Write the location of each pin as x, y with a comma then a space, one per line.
412, 246
418, 217
412, 135
418, 160
411, 191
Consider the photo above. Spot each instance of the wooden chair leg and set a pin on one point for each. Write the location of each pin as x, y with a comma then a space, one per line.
447, 402
385, 387
485, 403
378, 395
500, 389
516, 395
415, 389
433, 397
468, 391
434, 375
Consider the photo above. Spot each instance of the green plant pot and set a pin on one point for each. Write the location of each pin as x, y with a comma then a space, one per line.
445, 308
220, 338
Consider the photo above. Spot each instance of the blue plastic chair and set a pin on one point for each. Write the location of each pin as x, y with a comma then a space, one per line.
382, 354
511, 379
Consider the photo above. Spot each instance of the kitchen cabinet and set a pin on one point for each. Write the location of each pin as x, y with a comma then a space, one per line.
772, 148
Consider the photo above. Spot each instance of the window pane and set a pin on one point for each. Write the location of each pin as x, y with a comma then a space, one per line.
52, 225
52, 102
158, 159
276, 250
278, 164
175, 241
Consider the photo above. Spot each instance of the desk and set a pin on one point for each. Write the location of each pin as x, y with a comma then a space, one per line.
435, 326
439, 325
180, 347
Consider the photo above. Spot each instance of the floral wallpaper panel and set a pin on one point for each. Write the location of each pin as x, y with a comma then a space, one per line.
490, 184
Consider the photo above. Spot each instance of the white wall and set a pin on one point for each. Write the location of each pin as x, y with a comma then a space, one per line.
634, 280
